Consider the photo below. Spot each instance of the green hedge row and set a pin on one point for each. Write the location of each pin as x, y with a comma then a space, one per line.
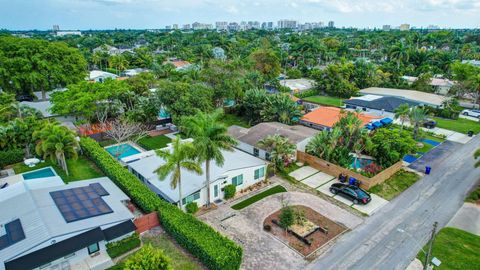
10, 157
115, 249
215, 250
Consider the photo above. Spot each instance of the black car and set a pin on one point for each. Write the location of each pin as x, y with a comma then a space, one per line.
430, 123
24, 98
353, 193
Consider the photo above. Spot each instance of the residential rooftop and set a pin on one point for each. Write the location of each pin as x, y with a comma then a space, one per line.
385, 103
412, 95
328, 116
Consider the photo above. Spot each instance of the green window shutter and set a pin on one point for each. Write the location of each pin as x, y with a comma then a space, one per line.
257, 174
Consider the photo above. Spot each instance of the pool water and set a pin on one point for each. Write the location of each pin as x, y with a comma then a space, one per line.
124, 149
46, 172
361, 162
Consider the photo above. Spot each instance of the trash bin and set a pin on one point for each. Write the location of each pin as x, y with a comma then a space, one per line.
352, 181
428, 169
470, 133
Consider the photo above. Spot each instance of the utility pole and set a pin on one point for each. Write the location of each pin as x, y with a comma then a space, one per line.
429, 252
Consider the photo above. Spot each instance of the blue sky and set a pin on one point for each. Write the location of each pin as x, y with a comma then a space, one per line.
141, 14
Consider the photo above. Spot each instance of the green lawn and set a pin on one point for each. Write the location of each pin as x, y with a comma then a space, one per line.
426, 146
153, 143
395, 185
232, 119
461, 125
474, 196
79, 169
325, 100
178, 258
456, 249
258, 197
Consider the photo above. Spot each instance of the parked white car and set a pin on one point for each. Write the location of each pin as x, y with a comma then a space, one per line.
473, 113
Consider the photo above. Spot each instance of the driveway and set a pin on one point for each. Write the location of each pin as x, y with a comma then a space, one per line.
261, 249
467, 218
435, 156
392, 237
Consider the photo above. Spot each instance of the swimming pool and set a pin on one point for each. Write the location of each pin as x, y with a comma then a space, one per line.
122, 150
45, 172
361, 162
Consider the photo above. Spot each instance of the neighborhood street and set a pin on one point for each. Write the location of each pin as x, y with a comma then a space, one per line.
391, 238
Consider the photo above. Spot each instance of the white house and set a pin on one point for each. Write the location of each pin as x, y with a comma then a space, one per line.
440, 85
46, 224
101, 76
239, 169
249, 137
298, 85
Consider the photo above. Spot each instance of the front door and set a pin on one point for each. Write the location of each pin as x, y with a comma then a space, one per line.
215, 191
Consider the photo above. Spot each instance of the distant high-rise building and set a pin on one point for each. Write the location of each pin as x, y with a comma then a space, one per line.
404, 27
386, 27
175, 26
168, 27
331, 24
433, 27
221, 26
287, 24
186, 27
233, 26
270, 25
56, 28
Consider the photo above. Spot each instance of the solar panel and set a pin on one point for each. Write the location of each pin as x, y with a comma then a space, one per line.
80, 203
14, 233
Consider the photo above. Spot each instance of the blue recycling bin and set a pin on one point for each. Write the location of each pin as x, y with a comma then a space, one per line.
352, 181
428, 169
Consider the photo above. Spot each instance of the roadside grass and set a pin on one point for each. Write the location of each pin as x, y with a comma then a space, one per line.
258, 197
395, 185
154, 143
229, 119
474, 196
325, 100
461, 125
426, 147
456, 249
178, 258
79, 169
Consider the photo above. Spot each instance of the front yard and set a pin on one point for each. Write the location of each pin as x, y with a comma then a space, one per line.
395, 185
456, 249
325, 100
461, 125
79, 169
258, 197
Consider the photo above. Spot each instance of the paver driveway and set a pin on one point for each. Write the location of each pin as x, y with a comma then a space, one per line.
261, 249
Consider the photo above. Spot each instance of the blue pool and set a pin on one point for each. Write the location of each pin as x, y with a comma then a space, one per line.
432, 142
361, 162
46, 172
122, 150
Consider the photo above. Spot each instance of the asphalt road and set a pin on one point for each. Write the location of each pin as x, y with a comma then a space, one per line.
392, 237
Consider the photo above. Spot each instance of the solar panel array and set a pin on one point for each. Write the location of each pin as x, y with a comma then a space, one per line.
82, 202
14, 234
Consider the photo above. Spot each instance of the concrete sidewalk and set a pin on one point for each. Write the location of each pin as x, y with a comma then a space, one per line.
467, 218
449, 134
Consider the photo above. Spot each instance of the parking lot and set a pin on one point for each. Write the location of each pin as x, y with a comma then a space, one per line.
321, 181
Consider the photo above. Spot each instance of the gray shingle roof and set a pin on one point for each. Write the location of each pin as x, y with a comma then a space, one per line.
388, 104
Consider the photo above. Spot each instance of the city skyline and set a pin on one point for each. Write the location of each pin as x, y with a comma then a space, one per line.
156, 14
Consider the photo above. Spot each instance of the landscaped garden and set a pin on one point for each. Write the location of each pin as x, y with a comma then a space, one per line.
325, 100
80, 169
395, 185
456, 249
302, 228
154, 143
461, 125
258, 197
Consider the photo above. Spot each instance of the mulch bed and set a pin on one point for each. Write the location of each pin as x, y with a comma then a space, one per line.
317, 239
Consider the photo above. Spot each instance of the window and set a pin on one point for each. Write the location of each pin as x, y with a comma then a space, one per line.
256, 152
267, 156
93, 248
237, 180
259, 173
215, 191
191, 197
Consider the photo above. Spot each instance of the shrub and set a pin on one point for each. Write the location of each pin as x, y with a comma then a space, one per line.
115, 249
213, 249
148, 258
287, 217
267, 227
229, 191
306, 93
192, 207
294, 73
10, 157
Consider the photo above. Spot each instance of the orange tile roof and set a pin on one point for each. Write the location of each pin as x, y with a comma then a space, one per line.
328, 116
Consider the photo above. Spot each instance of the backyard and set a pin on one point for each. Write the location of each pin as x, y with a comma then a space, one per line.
179, 258
79, 169
153, 143
395, 185
456, 249
325, 100
232, 119
461, 125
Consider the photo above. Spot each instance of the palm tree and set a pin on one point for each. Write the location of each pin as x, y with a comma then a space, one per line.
181, 156
279, 147
417, 117
210, 138
363, 143
56, 142
401, 112
476, 155
400, 53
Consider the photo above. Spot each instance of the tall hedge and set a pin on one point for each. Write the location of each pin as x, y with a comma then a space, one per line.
213, 249
10, 157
